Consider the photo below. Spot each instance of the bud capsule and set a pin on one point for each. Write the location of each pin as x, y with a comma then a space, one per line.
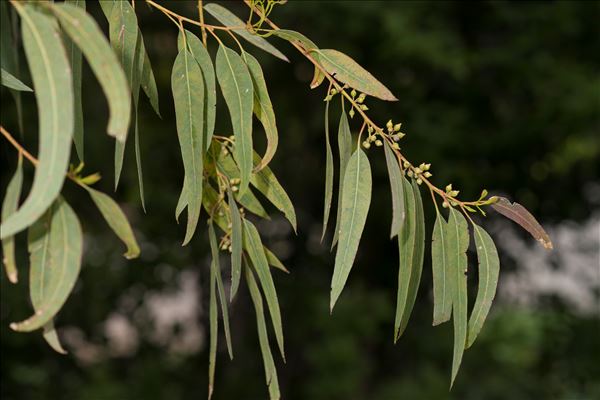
378, 143
397, 127
396, 146
366, 144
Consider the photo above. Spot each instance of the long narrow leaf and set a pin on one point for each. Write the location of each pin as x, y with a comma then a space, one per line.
395, 176
214, 249
56, 277
458, 242
9, 57
296, 37
489, 269
345, 150
254, 247
354, 202
10, 81
328, 174
440, 267
229, 19
236, 86
236, 245
9, 206
213, 329
117, 221
521, 216
53, 85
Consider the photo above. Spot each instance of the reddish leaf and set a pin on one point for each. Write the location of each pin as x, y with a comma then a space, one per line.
521, 216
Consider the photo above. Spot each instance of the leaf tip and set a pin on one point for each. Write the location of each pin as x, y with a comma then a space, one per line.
12, 277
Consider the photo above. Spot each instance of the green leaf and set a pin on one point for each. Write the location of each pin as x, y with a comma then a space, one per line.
213, 329
86, 34
328, 174
9, 206
440, 267
254, 247
295, 37
186, 81
117, 221
236, 245
274, 261
263, 110
208, 73
51, 75
229, 19
11, 82
214, 249
53, 277
355, 201
263, 337
411, 245
9, 57
489, 269
236, 86
346, 70
147, 81
521, 216
458, 243
266, 183
318, 78
75, 59
395, 176
124, 37
345, 149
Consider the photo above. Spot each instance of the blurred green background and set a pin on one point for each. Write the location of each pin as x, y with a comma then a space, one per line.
498, 95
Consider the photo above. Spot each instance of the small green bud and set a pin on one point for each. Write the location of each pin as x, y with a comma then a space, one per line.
378, 143
224, 247
406, 164
448, 188
400, 135
427, 174
351, 113
372, 138
366, 144
364, 107
396, 146
418, 170
445, 204
327, 98
234, 188
370, 129
426, 167
410, 174
353, 93
389, 125
419, 181
333, 92
454, 204
454, 193
397, 127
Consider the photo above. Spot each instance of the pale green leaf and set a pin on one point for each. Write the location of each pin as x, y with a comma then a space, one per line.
187, 84
263, 338
346, 70
440, 267
86, 34
236, 86
117, 221
274, 261
489, 269
229, 19
9, 206
147, 81
355, 201
255, 249
328, 174
318, 78
208, 73
9, 57
345, 150
263, 110
52, 278
213, 329
458, 243
10, 81
295, 37
395, 176
236, 245
214, 249
53, 85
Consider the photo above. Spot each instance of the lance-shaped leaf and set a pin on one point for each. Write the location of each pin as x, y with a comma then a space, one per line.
124, 37
274, 261
318, 78
188, 87
229, 19
214, 250
10, 81
75, 58
458, 243
354, 202
328, 174
263, 337
440, 267
117, 221
266, 182
86, 34
489, 269
263, 110
213, 322
345, 149
407, 238
9, 206
395, 176
236, 86
236, 245
346, 70
55, 278
295, 38
147, 81
521, 216
53, 85
9, 56
208, 74
254, 247
41, 261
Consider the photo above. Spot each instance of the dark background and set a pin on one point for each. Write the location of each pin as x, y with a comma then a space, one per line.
497, 95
